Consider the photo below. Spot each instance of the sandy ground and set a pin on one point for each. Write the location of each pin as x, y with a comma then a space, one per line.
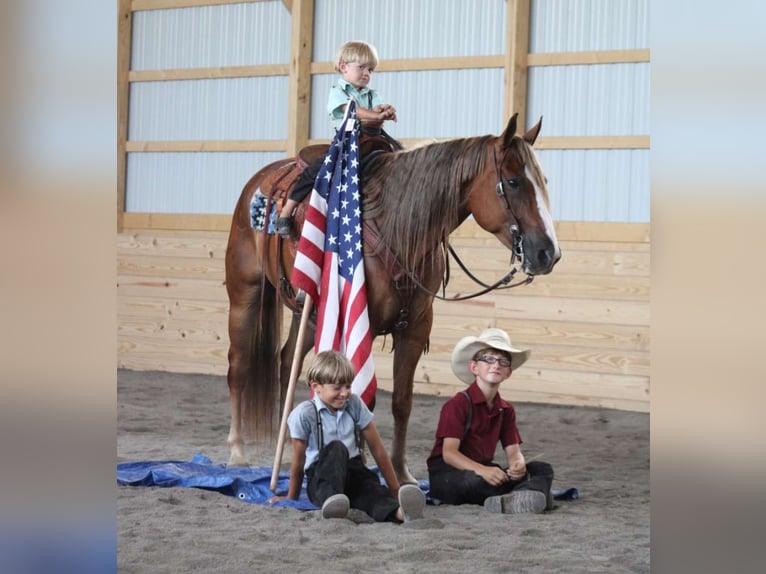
603, 453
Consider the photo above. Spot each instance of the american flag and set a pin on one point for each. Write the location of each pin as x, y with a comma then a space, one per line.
329, 265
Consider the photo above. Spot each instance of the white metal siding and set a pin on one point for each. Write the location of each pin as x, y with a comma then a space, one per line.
230, 108
210, 36
411, 28
598, 185
583, 25
191, 182
428, 103
596, 100
593, 100
227, 108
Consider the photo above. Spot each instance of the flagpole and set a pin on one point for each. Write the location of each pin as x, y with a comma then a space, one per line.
294, 372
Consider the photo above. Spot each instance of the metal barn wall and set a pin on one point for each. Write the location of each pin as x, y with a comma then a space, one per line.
204, 109
207, 107
592, 100
610, 185
429, 103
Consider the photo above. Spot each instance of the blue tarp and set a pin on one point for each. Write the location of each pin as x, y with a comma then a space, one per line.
250, 484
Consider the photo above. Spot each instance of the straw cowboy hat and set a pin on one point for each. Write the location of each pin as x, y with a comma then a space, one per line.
493, 338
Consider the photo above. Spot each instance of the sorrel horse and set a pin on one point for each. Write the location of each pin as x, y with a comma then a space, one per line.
413, 199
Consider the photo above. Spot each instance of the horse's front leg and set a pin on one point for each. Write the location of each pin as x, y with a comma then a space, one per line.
409, 347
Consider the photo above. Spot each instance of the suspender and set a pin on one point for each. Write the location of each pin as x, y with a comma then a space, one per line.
470, 414
320, 432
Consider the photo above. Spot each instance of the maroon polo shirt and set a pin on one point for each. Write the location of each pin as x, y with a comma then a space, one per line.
488, 426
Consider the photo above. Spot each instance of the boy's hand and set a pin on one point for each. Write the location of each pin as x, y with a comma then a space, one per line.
517, 470
274, 499
493, 475
386, 111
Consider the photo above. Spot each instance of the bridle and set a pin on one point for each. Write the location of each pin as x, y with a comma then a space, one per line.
513, 225
516, 237
516, 252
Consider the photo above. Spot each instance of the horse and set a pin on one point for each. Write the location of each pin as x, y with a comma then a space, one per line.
412, 200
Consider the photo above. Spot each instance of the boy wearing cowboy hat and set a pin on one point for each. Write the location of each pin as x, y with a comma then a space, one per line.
461, 469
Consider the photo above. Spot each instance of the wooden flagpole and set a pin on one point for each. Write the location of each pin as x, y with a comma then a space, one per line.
294, 372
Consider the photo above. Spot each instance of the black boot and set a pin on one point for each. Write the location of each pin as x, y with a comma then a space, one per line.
540, 477
284, 226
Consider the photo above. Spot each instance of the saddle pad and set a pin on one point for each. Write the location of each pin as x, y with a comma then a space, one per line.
258, 216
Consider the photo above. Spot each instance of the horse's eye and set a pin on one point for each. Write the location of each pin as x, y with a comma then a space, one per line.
514, 183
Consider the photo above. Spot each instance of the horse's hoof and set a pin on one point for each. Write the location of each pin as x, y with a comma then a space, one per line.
238, 460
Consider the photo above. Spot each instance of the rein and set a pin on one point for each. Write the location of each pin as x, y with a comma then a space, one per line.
502, 283
498, 285
396, 270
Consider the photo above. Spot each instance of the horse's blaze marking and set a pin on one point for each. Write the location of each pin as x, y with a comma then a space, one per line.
542, 207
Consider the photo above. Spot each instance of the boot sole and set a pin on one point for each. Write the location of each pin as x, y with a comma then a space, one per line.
336, 506
519, 502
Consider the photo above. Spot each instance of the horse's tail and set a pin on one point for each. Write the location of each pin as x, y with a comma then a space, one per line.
261, 391
254, 327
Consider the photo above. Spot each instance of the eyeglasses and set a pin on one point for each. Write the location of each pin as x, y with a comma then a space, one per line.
490, 360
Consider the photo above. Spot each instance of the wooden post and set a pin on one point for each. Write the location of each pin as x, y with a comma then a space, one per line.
124, 31
294, 372
516, 52
301, 47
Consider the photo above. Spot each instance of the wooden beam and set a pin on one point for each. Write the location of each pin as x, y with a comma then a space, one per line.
177, 221
553, 142
205, 146
209, 73
516, 51
299, 105
401, 65
165, 4
592, 142
420, 64
124, 31
592, 231
591, 57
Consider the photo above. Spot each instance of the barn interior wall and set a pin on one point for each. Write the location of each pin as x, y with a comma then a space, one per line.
196, 128
587, 323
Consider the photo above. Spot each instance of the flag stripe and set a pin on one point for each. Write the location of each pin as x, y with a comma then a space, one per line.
329, 265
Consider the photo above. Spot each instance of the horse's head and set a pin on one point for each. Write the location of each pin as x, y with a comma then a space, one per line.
517, 209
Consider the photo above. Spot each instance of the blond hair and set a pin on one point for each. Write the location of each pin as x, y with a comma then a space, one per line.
360, 52
330, 367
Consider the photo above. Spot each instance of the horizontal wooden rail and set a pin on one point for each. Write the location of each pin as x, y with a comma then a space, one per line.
205, 146
138, 5
590, 57
592, 142
217, 73
401, 65
547, 143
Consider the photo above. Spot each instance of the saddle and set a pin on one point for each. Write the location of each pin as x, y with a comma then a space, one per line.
278, 185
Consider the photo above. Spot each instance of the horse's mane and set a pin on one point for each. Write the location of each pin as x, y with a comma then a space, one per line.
415, 194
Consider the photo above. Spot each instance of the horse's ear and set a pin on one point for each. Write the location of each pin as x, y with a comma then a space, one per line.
531, 135
510, 130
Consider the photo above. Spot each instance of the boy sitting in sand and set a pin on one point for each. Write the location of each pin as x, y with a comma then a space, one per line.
461, 469
325, 439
